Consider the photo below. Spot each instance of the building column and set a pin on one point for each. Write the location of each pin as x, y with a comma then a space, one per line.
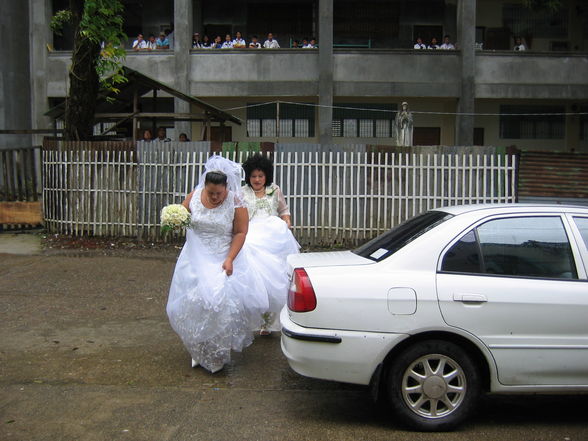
325, 88
182, 46
15, 110
39, 36
466, 36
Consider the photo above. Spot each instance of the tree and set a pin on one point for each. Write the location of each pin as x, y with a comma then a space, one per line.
96, 59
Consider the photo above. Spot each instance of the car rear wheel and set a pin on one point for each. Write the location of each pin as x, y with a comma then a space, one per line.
433, 385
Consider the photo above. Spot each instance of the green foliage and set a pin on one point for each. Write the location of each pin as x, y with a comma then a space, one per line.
59, 20
102, 23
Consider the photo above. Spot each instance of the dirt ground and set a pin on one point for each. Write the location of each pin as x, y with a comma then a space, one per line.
87, 353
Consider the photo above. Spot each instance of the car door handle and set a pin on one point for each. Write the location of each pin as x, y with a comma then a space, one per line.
469, 298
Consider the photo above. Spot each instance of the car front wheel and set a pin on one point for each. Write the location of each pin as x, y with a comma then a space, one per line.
433, 385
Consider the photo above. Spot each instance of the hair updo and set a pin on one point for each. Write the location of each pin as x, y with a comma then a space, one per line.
259, 162
215, 177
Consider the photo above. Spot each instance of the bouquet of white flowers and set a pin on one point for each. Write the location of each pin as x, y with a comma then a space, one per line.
174, 217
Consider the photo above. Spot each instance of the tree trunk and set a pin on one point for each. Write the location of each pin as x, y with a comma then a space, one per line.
84, 82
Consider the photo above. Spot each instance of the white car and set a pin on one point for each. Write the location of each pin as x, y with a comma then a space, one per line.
453, 303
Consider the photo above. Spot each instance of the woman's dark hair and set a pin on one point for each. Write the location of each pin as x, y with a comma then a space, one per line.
215, 177
259, 162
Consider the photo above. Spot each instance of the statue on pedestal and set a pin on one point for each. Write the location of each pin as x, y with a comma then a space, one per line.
403, 126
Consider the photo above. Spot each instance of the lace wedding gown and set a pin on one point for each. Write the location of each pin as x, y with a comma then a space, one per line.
211, 312
270, 240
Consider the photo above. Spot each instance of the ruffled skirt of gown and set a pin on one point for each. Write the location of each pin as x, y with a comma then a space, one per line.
270, 241
211, 312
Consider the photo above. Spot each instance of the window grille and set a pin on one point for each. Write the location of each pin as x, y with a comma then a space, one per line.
513, 125
295, 120
363, 120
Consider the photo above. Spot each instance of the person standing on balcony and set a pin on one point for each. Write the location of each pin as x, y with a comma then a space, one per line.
447, 45
419, 44
162, 41
311, 44
228, 43
169, 35
239, 42
519, 44
151, 43
433, 44
270, 43
217, 43
206, 44
254, 43
196, 42
140, 44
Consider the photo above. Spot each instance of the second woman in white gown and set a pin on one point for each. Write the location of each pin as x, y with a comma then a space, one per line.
269, 237
216, 299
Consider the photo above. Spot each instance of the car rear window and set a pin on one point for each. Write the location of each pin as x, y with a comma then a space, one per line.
388, 243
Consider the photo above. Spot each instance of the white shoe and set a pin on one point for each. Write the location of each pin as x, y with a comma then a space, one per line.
194, 363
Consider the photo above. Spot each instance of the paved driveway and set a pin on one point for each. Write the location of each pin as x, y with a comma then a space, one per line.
86, 353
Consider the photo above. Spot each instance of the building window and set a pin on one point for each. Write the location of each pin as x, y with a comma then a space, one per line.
294, 121
540, 23
363, 120
532, 122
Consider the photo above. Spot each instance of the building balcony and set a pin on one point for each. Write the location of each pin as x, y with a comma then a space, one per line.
358, 73
531, 75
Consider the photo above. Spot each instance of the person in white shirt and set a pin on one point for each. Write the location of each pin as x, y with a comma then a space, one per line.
254, 43
228, 44
151, 43
433, 44
196, 42
270, 43
447, 45
238, 42
419, 44
140, 44
311, 45
519, 45
217, 43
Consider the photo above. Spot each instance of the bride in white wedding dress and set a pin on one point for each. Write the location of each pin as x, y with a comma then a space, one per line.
216, 300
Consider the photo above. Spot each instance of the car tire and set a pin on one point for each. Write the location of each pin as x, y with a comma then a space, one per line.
433, 385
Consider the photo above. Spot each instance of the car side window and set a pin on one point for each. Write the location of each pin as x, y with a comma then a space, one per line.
522, 246
527, 246
582, 224
463, 256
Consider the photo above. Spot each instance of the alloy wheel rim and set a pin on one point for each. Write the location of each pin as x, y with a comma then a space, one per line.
434, 386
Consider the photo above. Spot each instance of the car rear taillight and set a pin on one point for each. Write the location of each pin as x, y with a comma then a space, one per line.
301, 296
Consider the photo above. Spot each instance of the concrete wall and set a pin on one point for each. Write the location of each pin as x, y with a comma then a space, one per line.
531, 76
396, 73
285, 72
15, 92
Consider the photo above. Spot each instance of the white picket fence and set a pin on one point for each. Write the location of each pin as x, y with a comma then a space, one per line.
334, 197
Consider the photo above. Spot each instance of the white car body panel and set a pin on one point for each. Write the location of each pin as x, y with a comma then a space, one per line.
532, 332
331, 360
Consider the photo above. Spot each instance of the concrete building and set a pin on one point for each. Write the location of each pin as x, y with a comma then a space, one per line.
348, 89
